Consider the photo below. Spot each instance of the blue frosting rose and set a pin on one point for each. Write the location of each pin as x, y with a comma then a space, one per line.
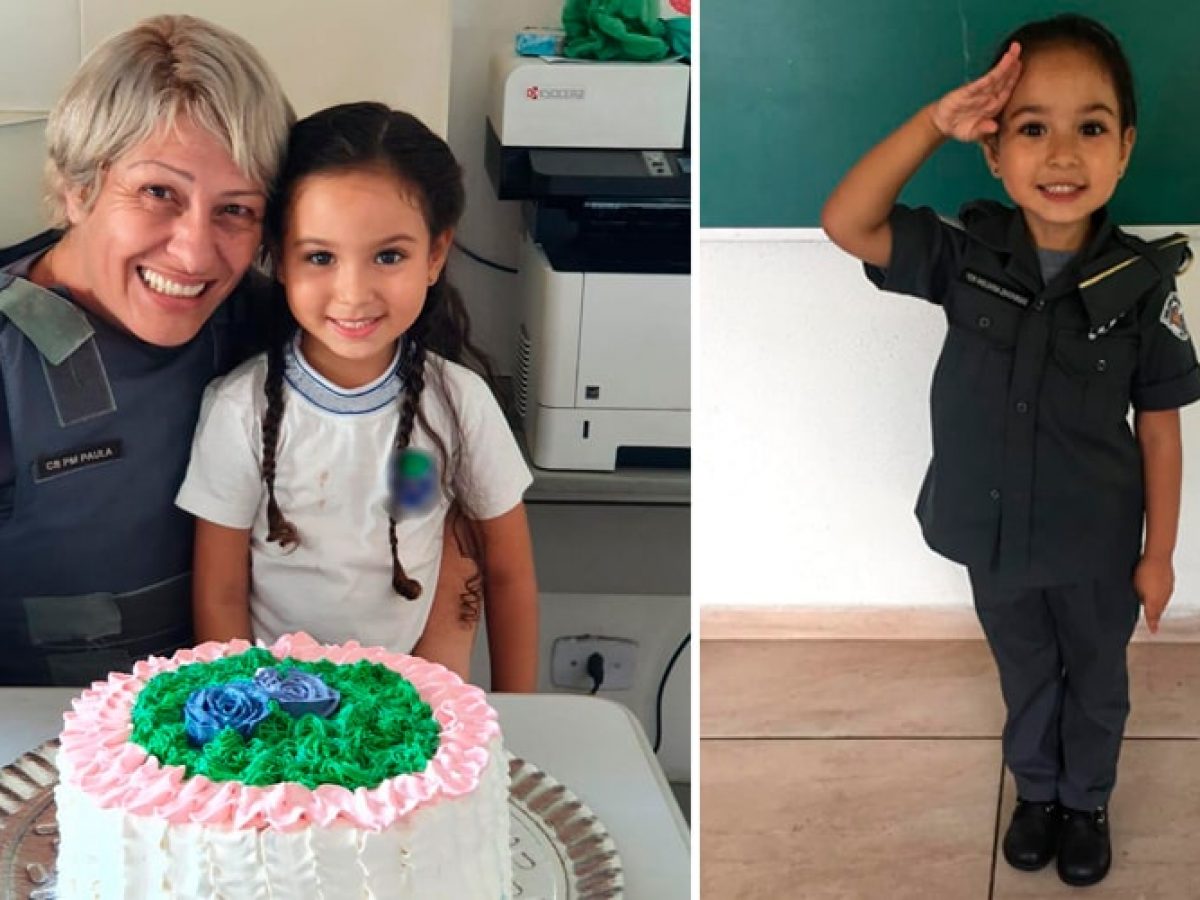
239, 705
297, 692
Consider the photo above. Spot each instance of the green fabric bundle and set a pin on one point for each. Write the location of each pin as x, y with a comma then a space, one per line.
679, 36
615, 30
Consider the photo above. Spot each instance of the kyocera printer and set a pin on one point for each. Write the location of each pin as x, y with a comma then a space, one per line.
598, 154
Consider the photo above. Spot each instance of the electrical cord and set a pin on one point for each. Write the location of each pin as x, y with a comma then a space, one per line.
595, 670
662, 686
484, 261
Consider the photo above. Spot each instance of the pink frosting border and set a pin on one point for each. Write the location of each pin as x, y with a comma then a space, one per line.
118, 774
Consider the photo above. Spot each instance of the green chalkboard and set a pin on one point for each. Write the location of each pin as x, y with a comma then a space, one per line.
792, 92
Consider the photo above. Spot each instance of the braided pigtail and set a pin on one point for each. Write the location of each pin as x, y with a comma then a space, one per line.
279, 529
414, 378
445, 329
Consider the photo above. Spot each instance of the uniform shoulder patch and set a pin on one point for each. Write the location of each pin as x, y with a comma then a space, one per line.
1172, 317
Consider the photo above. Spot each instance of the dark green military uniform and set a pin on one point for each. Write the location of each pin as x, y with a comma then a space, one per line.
1036, 478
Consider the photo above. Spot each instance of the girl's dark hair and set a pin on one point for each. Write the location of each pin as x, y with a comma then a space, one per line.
356, 137
1073, 30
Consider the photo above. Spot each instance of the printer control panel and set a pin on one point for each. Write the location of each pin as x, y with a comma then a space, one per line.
657, 164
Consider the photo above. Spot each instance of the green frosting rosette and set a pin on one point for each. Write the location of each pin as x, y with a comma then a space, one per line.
265, 721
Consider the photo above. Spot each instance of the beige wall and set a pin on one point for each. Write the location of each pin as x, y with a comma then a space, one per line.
324, 52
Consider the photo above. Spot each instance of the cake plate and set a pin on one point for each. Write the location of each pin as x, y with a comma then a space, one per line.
560, 850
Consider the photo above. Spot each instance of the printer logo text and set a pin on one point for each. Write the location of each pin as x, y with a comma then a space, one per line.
550, 93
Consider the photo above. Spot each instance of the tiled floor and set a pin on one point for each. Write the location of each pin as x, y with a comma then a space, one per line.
871, 769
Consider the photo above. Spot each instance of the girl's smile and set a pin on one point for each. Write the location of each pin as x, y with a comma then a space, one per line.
1061, 192
1060, 150
355, 329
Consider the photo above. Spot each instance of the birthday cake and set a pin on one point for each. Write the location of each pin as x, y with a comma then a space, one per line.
296, 770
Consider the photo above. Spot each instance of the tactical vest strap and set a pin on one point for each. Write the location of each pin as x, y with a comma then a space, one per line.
75, 640
79, 386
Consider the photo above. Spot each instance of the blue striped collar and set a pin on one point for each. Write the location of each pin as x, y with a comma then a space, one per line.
324, 394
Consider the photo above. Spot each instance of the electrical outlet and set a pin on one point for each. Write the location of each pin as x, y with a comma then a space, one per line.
568, 662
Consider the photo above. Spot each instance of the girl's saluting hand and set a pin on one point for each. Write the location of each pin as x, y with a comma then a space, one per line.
969, 113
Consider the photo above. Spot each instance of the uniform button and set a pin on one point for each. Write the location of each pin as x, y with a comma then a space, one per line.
1022, 406
985, 322
994, 494
1101, 365
1039, 305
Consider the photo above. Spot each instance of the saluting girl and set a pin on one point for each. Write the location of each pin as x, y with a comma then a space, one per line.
1057, 321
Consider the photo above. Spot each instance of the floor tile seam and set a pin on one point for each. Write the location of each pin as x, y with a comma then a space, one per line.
996, 833
915, 737
846, 639
768, 738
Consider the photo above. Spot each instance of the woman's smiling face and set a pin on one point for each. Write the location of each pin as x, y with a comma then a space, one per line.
174, 227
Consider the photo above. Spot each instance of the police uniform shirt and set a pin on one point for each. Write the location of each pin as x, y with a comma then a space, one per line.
1036, 475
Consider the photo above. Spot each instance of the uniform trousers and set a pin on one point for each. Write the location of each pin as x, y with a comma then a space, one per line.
1061, 655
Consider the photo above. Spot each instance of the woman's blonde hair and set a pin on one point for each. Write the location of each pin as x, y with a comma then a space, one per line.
159, 71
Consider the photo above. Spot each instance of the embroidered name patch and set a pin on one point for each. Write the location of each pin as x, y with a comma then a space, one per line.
48, 467
986, 284
1172, 317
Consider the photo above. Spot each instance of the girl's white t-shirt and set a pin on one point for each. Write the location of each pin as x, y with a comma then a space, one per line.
331, 482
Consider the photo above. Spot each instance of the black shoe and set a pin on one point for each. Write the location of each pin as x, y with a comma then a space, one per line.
1084, 851
1032, 836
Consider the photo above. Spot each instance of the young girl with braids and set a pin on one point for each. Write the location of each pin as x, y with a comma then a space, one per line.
324, 471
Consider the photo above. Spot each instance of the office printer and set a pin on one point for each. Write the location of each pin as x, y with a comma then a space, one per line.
598, 155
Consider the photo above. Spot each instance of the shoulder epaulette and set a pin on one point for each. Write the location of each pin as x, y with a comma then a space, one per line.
1175, 251
1169, 253
54, 325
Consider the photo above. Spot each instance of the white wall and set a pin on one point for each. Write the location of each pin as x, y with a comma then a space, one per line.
41, 50
657, 623
812, 432
324, 52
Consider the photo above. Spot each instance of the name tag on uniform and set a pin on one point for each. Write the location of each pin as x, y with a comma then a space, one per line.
992, 287
48, 467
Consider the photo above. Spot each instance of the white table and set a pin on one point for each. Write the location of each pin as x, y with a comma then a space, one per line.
593, 746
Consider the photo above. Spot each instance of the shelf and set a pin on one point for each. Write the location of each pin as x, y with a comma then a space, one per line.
22, 116
635, 486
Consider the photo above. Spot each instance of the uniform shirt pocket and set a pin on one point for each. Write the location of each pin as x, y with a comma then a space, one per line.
985, 317
1096, 377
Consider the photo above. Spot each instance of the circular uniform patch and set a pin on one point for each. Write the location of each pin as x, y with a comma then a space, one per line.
1172, 317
